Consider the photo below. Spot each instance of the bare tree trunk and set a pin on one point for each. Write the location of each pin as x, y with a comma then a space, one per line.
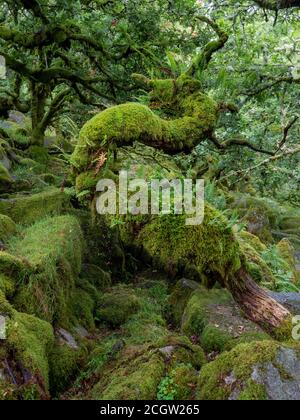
257, 304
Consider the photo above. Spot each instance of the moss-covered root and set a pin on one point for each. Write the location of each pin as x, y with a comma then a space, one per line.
263, 370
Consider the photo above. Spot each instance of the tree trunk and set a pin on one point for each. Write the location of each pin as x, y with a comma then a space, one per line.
38, 105
257, 305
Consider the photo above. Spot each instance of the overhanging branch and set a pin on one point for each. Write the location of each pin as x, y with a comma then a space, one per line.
202, 60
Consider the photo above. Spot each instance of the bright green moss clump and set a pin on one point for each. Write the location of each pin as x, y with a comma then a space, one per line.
116, 306
179, 384
53, 249
137, 380
5, 178
64, 365
198, 251
7, 227
26, 350
27, 209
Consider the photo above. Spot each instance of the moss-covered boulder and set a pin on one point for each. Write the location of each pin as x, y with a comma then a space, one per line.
179, 384
179, 298
6, 179
52, 250
7, 228
24, 355
137, 372
117, 305
257, 371
261, 215
133, 361
212, 318
64, 365
27, 209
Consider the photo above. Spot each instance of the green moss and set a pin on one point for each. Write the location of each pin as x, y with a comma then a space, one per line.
53, 247
252, 249
287, 252
83, 306
135, 381
5, 178
27, 346
31, 339
253, 392
27, 209
7, 285
239, 363
196, 315
179, 384
95, 276
86, 181
179, 298
38, 154
284, 332
116, 306
214, 339
7, 227
247, 337
13, 266
206, 249
64, 365
124, 124
252, 240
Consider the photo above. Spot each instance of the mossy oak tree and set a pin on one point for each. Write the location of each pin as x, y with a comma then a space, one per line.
188, 116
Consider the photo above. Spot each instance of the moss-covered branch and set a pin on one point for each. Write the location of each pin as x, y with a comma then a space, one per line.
202, 60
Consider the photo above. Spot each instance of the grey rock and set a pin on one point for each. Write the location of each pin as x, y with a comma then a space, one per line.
17, 117
281, 379
6, 162
188, 284
81, 332
5, 124
167, 351
66, 338
230, 380
290, 301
